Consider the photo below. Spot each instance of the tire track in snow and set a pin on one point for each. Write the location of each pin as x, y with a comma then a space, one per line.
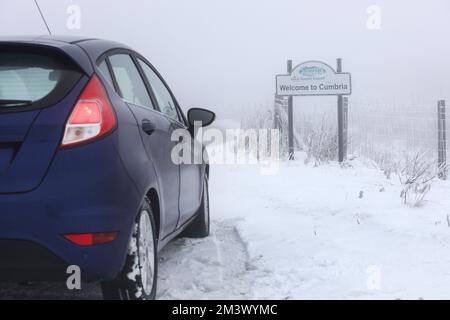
212, 268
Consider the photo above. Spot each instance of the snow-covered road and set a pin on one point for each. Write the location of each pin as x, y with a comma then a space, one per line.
306, 232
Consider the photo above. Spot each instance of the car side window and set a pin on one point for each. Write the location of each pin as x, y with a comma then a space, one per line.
162, 94
129, 80
103, 66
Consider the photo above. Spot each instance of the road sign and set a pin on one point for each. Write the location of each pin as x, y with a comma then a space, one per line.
314, 78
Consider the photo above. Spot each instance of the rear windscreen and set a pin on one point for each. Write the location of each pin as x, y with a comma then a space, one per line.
34, 79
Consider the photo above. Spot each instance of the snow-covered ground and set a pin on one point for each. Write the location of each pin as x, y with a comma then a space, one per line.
304, 233
308, 233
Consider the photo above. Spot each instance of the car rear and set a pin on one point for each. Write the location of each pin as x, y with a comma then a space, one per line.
65, 196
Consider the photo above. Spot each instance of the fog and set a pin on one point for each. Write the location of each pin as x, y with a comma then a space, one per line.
225, 54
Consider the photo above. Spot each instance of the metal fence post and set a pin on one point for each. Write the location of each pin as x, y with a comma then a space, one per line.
341, 155
345, 126
442, 141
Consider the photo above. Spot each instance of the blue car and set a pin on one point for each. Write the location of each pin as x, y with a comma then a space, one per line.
87, 175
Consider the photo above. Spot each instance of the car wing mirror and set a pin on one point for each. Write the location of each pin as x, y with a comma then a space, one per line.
198, 115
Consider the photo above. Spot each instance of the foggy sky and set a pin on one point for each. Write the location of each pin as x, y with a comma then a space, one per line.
225, 54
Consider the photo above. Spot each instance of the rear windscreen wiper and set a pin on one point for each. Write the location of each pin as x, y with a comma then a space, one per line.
14, 103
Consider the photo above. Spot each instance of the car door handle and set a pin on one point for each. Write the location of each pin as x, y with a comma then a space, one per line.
148, 127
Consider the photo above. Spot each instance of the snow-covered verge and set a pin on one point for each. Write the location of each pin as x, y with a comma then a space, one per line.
332, 232
314, 232
305, 233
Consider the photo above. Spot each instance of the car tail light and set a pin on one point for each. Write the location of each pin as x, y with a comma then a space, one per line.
92, 116
91, 239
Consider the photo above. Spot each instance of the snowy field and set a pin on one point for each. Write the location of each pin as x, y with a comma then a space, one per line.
304, 233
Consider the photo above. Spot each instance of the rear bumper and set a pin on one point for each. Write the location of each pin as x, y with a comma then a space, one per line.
27, 261
87, 189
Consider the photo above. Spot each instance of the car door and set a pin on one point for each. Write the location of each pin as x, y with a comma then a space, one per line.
155, 130
190, 173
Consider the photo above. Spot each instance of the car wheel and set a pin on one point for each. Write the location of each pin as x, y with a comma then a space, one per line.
200, 226
138, 279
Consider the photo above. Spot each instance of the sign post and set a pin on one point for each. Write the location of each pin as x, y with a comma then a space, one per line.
290, 117
315, 78
340, 117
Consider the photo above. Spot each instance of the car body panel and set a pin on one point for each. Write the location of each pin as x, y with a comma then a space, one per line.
158, 154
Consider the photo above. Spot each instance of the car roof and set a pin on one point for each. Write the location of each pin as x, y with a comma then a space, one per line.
92, 47
62, 39
45, 39
65, 38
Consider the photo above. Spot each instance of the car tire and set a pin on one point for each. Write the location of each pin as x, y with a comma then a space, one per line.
200, 226
138, 279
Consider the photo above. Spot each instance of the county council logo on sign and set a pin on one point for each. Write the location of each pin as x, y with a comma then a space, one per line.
314, 78
310, 73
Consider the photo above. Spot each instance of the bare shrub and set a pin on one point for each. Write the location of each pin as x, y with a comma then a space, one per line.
260, 118
416, 174
281, 123
320, 142
264, 117
387, 163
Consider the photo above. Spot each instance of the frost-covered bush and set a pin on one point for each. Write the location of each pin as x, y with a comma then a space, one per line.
416, 173
320, 142
387, 163
256, 124
255, 133
281, 123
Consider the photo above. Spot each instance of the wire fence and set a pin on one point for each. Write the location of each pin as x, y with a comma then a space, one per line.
386, 133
